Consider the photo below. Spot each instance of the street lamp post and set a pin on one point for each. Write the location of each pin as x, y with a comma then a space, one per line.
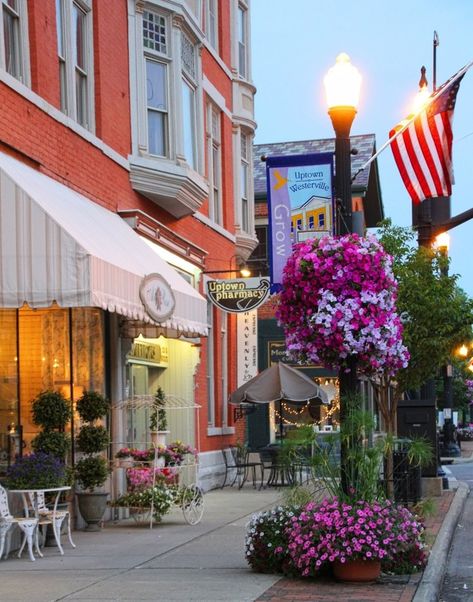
450, 448
342, 88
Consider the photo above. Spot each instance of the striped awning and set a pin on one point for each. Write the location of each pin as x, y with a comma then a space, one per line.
58, 246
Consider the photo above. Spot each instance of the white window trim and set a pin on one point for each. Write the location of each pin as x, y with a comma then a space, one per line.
216, 46
70, 91
211, 142
24, 48
243, 7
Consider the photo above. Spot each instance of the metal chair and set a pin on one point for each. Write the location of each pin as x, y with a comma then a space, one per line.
46, 517
239, 462
7, 520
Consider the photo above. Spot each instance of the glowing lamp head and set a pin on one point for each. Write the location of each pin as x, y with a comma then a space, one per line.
442, 241
342, 84
463, 351
245, 272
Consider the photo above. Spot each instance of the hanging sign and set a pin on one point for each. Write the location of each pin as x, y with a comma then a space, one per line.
300, 201
238, 295
247, 345
157, 297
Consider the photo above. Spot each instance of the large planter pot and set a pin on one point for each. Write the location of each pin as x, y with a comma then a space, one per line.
357, 570
159, 437
92, 508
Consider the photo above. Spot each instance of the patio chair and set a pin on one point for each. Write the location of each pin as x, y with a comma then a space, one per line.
46, 517
237, 458
280, 473
7, 521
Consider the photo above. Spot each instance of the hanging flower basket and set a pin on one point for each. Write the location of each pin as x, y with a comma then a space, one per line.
339, 302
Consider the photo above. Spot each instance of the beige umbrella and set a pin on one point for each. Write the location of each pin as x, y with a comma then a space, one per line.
277, 383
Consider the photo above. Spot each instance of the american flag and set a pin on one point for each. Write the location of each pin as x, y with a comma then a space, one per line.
423, 148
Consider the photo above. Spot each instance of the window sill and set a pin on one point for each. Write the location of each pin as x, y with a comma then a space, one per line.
177, 189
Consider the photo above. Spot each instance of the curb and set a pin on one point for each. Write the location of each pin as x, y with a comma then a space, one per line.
431, 582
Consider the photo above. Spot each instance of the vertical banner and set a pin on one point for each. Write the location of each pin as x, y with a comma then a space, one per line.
300, 203
247, 346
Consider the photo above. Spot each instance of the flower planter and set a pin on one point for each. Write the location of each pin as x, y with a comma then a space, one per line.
159, 437
357, 570
92, 508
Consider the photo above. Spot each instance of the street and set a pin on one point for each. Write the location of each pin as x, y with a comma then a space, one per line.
458, 581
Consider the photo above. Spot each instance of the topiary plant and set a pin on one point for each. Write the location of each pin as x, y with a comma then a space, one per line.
92, 439
52, 442
158, 420
91, 472
51, 410
92, 406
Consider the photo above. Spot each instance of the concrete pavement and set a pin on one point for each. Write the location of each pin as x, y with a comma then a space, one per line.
175, 561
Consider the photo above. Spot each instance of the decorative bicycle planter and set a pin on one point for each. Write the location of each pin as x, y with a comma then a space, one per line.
154, 489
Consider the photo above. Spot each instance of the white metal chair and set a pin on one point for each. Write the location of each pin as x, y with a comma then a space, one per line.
7, 520
46, 517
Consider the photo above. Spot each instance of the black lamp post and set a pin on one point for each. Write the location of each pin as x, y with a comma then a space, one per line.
450, 448
342, 87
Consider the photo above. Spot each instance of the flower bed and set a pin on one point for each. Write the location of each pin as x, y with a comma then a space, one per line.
306, 541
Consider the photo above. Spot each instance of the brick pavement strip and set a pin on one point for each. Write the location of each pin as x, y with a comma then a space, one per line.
387, 589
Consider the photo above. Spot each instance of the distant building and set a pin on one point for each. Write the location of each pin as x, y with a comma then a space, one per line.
312, 218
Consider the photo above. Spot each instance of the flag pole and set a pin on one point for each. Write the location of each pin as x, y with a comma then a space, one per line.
410, 118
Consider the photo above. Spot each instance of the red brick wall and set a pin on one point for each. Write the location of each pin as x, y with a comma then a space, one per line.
35, 137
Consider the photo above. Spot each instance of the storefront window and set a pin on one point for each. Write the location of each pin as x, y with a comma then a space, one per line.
36, 352
9, 439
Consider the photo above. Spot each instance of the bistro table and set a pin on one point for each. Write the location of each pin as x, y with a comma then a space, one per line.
33, 504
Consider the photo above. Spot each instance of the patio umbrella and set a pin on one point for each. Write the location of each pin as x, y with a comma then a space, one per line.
277, 383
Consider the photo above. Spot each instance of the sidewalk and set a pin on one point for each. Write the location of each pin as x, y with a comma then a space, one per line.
205, 563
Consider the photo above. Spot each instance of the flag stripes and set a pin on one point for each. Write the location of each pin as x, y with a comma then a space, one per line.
423, 148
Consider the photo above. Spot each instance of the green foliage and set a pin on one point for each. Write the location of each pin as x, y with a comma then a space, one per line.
436, 313
92, 406
162, 497
158, 420
51, 410
92, 439
91, 472
52, 442
419, 451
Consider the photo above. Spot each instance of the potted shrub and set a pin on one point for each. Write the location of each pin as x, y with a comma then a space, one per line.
51, 411
92, 470
158, 421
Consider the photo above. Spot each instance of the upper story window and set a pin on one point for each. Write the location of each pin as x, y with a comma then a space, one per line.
214, 161
211, 22
189, 87
155, 45
321, 220
14, 39
245, 174
242, 23
75, 57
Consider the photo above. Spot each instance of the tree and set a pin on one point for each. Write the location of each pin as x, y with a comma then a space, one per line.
437, 315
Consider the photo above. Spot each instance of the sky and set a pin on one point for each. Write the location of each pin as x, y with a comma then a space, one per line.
294, 43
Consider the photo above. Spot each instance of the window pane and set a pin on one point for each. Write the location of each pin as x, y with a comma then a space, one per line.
156, 85
188, 56
11, 42
60, 28
8, 387
212, 23
78, 17
188, 123
245, 222
156, 133
81, 98
244, 181
242, 41
154, 32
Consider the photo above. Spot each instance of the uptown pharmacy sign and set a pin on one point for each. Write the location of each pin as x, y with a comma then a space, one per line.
238, 295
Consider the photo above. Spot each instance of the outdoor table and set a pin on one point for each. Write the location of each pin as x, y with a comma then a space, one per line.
30, 498
281, 474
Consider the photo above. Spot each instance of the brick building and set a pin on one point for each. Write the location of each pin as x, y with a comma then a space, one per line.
125, 152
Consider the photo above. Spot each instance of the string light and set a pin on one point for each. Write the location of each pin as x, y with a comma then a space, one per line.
276, 416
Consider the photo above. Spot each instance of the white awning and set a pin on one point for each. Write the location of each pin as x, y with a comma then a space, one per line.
58, 246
